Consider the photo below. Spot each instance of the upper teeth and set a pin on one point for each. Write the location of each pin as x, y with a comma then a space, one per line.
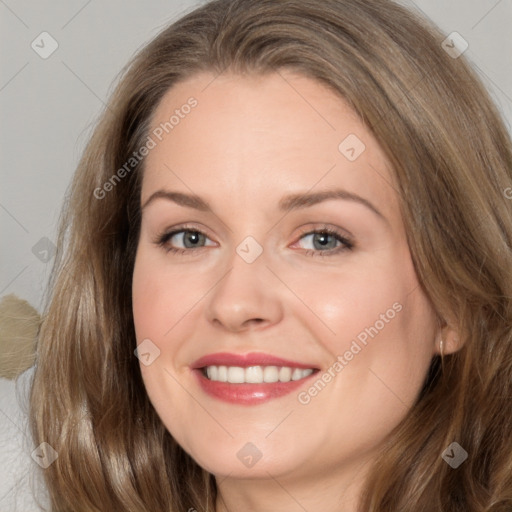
255, 374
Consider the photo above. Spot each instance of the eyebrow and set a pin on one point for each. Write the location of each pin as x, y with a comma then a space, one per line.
286, 204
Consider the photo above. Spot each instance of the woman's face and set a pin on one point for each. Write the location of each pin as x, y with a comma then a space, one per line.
243, 177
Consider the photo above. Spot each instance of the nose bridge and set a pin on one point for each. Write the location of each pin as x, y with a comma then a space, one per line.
245, 294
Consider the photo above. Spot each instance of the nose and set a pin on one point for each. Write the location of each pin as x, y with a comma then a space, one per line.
246, 297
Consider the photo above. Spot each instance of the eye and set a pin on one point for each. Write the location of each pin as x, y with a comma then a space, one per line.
190, 238
326, 242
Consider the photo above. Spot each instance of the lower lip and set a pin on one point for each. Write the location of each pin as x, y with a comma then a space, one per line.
248, 394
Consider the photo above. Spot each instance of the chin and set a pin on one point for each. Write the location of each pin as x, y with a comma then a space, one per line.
244, 460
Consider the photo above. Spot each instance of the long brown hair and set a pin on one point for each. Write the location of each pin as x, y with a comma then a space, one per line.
452, 160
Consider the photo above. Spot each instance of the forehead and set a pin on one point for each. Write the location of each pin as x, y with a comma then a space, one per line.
246, 108
253, 136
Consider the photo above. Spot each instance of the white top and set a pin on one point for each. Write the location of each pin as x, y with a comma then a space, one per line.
21, 486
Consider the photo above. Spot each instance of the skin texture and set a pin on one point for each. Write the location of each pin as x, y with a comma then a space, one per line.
250, 141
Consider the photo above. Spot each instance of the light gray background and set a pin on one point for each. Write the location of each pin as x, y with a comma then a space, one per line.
48, 106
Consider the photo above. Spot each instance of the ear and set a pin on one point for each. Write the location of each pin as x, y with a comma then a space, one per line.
449, 334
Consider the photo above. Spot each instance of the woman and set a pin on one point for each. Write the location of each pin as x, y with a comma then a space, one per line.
245, 372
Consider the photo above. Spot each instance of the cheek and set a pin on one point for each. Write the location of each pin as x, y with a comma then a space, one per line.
161, 295
343, 302
377, 327
162, 299
377, 319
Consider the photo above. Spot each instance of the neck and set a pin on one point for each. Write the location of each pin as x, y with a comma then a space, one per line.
335, 490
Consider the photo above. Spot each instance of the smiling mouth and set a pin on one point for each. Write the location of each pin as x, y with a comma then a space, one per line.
255, 374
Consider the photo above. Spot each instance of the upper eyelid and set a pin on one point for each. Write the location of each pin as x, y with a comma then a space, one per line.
179, 229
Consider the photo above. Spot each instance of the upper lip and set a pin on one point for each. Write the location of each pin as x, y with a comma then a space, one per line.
245, 360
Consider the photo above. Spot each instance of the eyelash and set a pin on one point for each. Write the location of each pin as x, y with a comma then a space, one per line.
162, 239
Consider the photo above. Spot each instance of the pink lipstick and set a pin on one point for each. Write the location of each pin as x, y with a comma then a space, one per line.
250, 379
